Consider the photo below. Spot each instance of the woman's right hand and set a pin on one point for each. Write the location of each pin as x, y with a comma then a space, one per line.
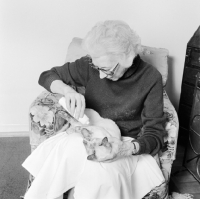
75, 103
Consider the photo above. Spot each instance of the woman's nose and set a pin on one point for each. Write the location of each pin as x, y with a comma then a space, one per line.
102, 75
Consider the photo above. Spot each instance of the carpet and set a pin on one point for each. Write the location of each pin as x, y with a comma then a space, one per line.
13, 178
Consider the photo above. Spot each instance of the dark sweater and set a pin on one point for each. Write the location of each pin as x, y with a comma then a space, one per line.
133, 102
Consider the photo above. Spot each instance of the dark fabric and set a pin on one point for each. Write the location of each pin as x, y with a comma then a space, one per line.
134, 102
146, 145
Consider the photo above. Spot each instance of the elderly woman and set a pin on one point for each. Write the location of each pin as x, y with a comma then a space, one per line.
121, 87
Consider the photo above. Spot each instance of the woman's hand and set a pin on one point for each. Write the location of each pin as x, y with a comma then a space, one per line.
75, 103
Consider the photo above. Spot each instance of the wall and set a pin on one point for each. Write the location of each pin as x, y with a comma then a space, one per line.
34, 36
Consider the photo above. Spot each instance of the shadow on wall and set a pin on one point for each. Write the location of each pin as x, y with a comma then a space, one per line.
170, 83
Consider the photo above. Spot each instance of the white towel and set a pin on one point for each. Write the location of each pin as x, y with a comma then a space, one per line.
83, 120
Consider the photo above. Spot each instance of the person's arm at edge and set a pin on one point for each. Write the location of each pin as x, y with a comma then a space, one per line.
152, 143
54, 80
71, 74
58, 86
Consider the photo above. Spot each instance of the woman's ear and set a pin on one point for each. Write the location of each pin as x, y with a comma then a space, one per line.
126, 60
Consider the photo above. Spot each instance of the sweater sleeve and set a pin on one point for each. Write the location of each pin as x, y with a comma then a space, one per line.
153, 120
75, 73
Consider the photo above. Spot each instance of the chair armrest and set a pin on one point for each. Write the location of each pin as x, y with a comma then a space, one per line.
171, 127
168, 153
44, 118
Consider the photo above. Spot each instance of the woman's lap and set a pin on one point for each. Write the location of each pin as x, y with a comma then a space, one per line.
65, 155
130, 177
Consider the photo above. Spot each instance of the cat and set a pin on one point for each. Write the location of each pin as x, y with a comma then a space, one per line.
96, 134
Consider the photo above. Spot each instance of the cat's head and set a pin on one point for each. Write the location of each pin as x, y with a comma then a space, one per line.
98, 149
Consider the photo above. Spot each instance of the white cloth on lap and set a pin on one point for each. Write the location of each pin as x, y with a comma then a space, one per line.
128, 178
60, 163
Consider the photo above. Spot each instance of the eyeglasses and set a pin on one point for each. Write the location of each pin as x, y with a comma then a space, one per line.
107, 72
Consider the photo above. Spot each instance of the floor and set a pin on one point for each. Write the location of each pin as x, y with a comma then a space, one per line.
181, 179
13, 178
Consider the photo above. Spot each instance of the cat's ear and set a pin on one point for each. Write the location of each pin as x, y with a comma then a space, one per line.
92, 157
104, 141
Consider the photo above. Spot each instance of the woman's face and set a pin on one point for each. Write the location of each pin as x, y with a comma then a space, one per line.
108, 66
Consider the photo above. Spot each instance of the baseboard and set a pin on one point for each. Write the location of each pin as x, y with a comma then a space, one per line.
14, 130
14, 134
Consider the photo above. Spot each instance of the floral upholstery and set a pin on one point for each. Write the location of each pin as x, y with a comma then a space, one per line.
44, 118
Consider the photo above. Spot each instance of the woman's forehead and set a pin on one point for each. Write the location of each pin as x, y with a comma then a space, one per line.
101, 58
104, 61
104, 58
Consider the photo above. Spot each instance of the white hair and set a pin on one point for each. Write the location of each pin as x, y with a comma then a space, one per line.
114, 37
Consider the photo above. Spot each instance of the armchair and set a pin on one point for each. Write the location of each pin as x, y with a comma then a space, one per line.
45, 119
